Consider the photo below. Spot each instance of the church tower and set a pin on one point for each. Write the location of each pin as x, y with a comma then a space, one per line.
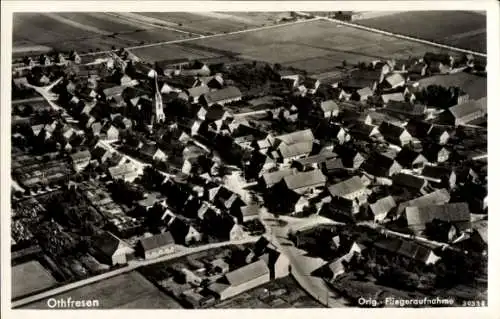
158, 103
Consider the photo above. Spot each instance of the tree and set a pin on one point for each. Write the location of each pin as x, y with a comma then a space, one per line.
344, 64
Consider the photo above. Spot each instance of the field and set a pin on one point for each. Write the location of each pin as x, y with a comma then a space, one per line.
457, 28
84, 31
215, 22
292, 297
315, 46
30, 277
472, 84
130, 290
173, 51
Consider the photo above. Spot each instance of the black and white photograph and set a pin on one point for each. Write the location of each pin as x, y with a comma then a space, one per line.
247, 159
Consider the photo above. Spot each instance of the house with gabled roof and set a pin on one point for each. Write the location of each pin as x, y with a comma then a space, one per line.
440, 176
381, 208
362, 94
126, 171
408, 181
439, 135
111, 250
394, 134
329, 108
182, 232
156, 246
436, 153
410, 159
437, 197
455, 213
80, 160
393, 81
363, 131
466, 112
286, 153
352, 189
221, 97
381, 166
302, 182
419, 129
408, 249
351, 158
240, 280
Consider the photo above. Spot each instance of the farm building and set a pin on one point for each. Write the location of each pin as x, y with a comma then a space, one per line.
435, 153
381, 208
241, 280
409, 181
350, 157
156, 246
126, 171
438, 197
286, 153
467, 112
352, 188
304, 181
408, 249
223, 96
111, 250
456, 213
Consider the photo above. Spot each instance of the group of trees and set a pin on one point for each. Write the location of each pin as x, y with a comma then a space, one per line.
439, 96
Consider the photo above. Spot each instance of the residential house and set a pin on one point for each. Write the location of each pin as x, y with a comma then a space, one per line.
293, 138
223, 96
111, 250
363, 131
394, 134
213, 82
410, 182
455, 213
418, 129
408, 158
362, 94
417, 70
381, 208
408, 249
182, 232
126, 171
350, 157
310, 85
313, 162
156, 246
438, 67
397, 97
110, 132
393, 81
329, 109
332, 166
440, 176
286, 153
380, 165
269, 179
302, 182
337, 268
152, 153
199, 70
438, 135
196, 92
241, 280
435, 153
351, 189
80, 160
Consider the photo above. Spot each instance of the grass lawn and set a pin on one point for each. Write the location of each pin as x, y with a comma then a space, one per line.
30, 277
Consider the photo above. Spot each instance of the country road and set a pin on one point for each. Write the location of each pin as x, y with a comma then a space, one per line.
130, 267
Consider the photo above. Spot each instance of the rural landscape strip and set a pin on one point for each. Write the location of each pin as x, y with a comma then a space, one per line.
128, 268
354, 25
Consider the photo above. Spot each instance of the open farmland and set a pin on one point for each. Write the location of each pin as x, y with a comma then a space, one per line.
464, 29
315, 46
30, 277
172, 51
129, 290
216, 22
86, 31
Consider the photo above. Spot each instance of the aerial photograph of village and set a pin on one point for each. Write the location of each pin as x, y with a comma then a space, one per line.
221, 160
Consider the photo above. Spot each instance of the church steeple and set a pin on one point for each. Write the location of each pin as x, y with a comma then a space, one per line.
158, 102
